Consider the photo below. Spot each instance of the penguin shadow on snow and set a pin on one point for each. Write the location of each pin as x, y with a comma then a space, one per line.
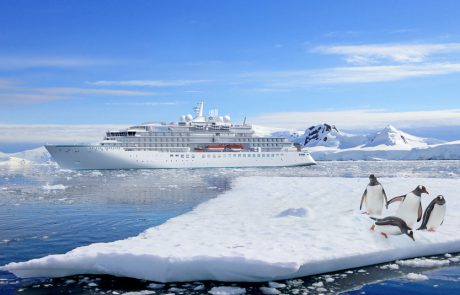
408, 213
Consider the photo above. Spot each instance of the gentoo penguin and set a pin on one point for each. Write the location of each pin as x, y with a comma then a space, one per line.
374, 197
434, 214
410, 209
392, 225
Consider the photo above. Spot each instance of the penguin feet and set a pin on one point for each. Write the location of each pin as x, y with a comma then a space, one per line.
385, 235
365, 213
373, 227
431, 229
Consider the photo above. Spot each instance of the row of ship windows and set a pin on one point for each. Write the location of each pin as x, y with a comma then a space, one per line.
186, 145
184, 139
242, 155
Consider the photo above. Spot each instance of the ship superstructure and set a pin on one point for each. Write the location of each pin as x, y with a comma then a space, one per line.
194, 142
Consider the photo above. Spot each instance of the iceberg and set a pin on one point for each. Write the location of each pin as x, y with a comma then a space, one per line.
263, 229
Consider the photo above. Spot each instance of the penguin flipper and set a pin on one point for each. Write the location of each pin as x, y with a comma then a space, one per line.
396, 199
385, 196
362, 198
420, 212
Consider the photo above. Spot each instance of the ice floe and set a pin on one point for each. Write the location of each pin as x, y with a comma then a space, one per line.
423, 262
49, 187
416, 277
239, 235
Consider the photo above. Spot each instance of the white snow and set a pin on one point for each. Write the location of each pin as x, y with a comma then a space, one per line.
54, 187
223, 290
238, 236
423, 262
416, 277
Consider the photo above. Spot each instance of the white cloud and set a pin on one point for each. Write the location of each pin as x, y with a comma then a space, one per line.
347, 75
54, 134
144, 103
360, 119
24, 98
12, 62
90, 91
375, 53
24, 95
149, 83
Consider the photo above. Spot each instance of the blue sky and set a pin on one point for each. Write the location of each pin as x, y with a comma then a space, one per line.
358, 64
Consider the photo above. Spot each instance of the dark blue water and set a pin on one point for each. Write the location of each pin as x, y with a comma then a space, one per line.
38, 217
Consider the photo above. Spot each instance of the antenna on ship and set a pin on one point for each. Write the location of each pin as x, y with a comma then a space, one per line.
198, 109
244, 121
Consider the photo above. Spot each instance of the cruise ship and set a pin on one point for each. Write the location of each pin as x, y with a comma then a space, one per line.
197, 141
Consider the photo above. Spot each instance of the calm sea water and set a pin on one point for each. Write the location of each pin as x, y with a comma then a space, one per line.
44, 210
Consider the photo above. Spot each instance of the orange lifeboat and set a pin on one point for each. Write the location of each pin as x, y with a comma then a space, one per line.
234, 147
215, 148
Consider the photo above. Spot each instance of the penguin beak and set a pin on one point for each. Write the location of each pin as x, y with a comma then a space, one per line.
425, 191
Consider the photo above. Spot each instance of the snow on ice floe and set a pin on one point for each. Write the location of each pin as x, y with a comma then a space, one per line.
49, 187
239, 235
415, 277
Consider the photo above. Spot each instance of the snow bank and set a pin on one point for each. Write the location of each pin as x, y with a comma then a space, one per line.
243, 235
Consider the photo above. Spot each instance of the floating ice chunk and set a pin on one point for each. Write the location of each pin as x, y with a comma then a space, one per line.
416, 277
68, 282
155, 286
423, 262
96, 173
318, 284
276, 285
199, 288
224, 290
269, 291
393, 266
143, 292
329, 280
54, 187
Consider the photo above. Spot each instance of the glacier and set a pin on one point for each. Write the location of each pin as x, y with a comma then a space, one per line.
263, 229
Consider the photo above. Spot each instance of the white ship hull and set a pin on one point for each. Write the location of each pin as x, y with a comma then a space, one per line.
81, 157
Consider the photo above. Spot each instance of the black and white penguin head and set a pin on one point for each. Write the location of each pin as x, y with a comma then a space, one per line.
440, 200
373, 179
410, 233
419, 190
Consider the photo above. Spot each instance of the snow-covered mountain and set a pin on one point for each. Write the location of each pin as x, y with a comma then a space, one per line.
38, 155
326, 135
35, 156
327, 142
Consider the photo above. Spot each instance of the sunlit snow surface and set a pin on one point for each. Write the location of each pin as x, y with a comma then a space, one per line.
248, 234
103, 206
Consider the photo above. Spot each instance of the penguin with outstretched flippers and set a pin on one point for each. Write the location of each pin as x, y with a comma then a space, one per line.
374, 197
410, 209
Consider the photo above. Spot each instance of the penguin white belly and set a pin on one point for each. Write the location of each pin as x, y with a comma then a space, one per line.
388, 229
436, 217
408, 210
374, 199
